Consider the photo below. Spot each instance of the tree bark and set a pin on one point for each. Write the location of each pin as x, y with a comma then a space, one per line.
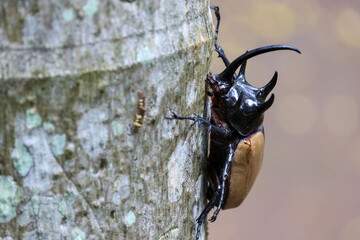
72, 163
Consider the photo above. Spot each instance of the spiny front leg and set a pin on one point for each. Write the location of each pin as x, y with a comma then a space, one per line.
201, 121
196, 118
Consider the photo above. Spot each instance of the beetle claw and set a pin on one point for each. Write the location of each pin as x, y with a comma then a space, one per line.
193, 124
213, 218
215, 8
198, 229
173, 115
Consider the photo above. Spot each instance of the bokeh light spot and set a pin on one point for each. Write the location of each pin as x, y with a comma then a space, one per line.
347, 28
273, 21
309, 13
341, 115
295, 114
351, 230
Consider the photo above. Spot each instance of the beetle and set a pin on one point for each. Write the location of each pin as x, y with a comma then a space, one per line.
236, 129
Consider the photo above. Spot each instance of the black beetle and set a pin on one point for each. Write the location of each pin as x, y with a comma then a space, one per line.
236, 130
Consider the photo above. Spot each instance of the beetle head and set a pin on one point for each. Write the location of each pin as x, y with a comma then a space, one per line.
217, 87
246, 104
242, 104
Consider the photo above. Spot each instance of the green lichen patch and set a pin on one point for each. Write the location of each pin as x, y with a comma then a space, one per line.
7, 198
33, 119
117, 128
79, 234
130, 219
91, 7
68, 15
120, 96
36, 205
58, 144
145, 56
48, 126
65, 206
171, 234
62, 208
21, 158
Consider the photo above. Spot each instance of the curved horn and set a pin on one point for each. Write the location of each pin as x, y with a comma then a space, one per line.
268, 87
242, 68
230, 70
241, 75
266, 105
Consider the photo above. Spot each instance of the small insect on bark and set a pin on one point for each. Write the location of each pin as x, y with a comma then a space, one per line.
236, 130
140, 113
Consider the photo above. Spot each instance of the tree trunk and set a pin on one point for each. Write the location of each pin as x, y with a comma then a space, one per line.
72, 73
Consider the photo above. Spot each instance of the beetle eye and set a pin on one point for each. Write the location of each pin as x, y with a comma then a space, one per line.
223, 89
260, 95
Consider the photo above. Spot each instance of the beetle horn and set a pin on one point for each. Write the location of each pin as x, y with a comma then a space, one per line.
241, 75
230, 70
266, 105
268, 87
242, 68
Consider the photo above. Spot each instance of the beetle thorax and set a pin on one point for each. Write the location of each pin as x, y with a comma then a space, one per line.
241, 104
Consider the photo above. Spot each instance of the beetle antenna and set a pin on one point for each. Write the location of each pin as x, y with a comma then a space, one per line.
227, 74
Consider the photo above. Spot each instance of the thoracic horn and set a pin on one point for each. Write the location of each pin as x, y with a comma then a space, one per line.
265, 90
242, 68
266, 105
228, 73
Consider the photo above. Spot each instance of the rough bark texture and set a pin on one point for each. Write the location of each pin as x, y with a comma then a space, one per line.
72, 166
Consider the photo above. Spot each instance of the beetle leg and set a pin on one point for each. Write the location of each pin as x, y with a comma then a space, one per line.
218, 48
213, 179
197, 119
215, 185
206, 211
225, 176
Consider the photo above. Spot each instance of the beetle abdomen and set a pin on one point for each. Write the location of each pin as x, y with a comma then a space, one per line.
245, 167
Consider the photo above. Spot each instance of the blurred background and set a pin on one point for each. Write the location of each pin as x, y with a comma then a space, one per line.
309, 184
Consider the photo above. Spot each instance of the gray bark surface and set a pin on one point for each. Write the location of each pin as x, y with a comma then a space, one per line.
72, 165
